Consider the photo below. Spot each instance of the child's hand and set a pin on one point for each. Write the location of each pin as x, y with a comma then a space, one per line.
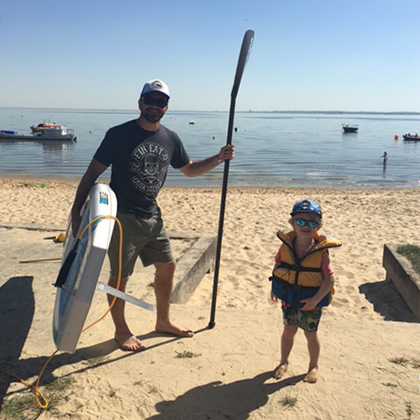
274, 298
310, 304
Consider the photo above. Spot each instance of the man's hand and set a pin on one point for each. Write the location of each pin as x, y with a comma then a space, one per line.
226, 153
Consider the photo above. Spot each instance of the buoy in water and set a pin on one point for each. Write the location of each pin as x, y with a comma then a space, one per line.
395, 137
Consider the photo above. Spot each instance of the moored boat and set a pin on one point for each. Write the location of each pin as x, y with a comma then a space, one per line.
45, 126
350, 128
60, 133
411, 137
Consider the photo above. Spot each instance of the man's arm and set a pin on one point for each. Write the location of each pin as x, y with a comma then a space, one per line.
92, 173
197, 168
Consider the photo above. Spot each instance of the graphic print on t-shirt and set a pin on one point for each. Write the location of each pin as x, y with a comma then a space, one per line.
150, 167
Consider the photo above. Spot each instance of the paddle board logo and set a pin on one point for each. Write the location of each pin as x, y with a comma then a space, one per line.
150, 167
103, 198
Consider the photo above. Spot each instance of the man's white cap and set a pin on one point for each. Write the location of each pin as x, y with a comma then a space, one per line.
157, 86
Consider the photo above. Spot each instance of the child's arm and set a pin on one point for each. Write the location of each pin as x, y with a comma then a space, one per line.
273, 297
326, 285
277, 259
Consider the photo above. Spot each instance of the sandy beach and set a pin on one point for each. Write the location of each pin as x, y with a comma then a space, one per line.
370, 359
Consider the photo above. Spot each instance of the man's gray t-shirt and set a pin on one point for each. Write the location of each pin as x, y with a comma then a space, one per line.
140, 161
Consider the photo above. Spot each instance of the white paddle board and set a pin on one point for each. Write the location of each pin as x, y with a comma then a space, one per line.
78, 277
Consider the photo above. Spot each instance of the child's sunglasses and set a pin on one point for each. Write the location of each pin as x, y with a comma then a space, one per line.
311, 223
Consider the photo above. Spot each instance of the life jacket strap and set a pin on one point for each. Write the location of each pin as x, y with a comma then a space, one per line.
298, 268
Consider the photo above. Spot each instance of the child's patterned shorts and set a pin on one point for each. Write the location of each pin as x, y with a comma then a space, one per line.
306, 320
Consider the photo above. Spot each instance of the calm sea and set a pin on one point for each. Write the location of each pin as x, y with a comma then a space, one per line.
272, 149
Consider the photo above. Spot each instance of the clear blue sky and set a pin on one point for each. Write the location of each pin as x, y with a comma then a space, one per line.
350, 55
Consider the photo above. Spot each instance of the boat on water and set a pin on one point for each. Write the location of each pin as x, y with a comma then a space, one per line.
411, 137
60, 133
45, 126
350, 128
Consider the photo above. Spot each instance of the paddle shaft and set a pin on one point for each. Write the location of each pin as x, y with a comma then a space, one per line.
243, 58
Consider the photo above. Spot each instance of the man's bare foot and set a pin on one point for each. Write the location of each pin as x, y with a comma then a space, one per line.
166, 327
280, 370
128, 342
312, 376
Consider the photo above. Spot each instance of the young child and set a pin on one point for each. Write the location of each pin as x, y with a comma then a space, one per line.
303, 280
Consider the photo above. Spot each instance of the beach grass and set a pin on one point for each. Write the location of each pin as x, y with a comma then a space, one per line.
408, 409
24, 406
288, 401
399, 360
187, 355
94, 361
412, 253
404, 361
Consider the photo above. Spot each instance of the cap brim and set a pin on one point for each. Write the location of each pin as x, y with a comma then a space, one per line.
154, 91
306, 211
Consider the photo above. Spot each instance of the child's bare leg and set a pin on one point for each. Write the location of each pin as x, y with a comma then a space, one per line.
287, 340
314, 348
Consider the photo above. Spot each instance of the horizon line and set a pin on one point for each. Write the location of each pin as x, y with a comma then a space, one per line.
249, 111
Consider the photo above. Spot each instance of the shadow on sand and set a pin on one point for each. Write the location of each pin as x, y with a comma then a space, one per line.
216, 400
17, 305
15, 322
387, 301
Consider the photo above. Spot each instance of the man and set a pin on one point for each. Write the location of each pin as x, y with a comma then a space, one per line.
140, 152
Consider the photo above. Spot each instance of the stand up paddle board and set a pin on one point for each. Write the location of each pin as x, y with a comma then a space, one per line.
81, 266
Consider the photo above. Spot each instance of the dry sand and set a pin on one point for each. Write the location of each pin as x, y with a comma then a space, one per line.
363, 333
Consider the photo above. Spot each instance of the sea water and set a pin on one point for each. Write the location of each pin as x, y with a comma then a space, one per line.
272, 148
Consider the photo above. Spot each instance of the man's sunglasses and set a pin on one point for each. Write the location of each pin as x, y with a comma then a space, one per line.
311, 223
160, 103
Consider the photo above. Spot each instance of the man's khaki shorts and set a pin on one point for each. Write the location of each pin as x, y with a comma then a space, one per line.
144, 238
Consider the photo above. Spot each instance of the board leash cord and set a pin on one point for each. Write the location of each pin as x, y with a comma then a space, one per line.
40, 400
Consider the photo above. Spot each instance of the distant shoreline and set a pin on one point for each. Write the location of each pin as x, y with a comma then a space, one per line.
224, 112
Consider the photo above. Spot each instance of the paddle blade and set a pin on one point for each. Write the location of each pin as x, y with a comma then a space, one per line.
246, 47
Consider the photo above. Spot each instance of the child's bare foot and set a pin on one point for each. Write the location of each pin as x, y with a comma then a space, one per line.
128, 342
312, 376
166, 327
280, 370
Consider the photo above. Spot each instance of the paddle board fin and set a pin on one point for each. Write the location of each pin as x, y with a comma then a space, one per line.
65, 268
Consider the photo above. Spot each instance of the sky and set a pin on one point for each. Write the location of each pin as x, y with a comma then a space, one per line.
308, 55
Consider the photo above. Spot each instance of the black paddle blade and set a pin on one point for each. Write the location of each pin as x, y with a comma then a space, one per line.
65, 268
246, 47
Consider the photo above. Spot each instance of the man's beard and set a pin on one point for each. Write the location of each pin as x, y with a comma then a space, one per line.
152, 118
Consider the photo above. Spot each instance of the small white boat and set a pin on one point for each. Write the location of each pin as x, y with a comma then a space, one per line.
45, 126
192, 122
60, 133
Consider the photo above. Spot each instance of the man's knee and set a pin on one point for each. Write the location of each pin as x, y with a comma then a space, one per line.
165, 268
